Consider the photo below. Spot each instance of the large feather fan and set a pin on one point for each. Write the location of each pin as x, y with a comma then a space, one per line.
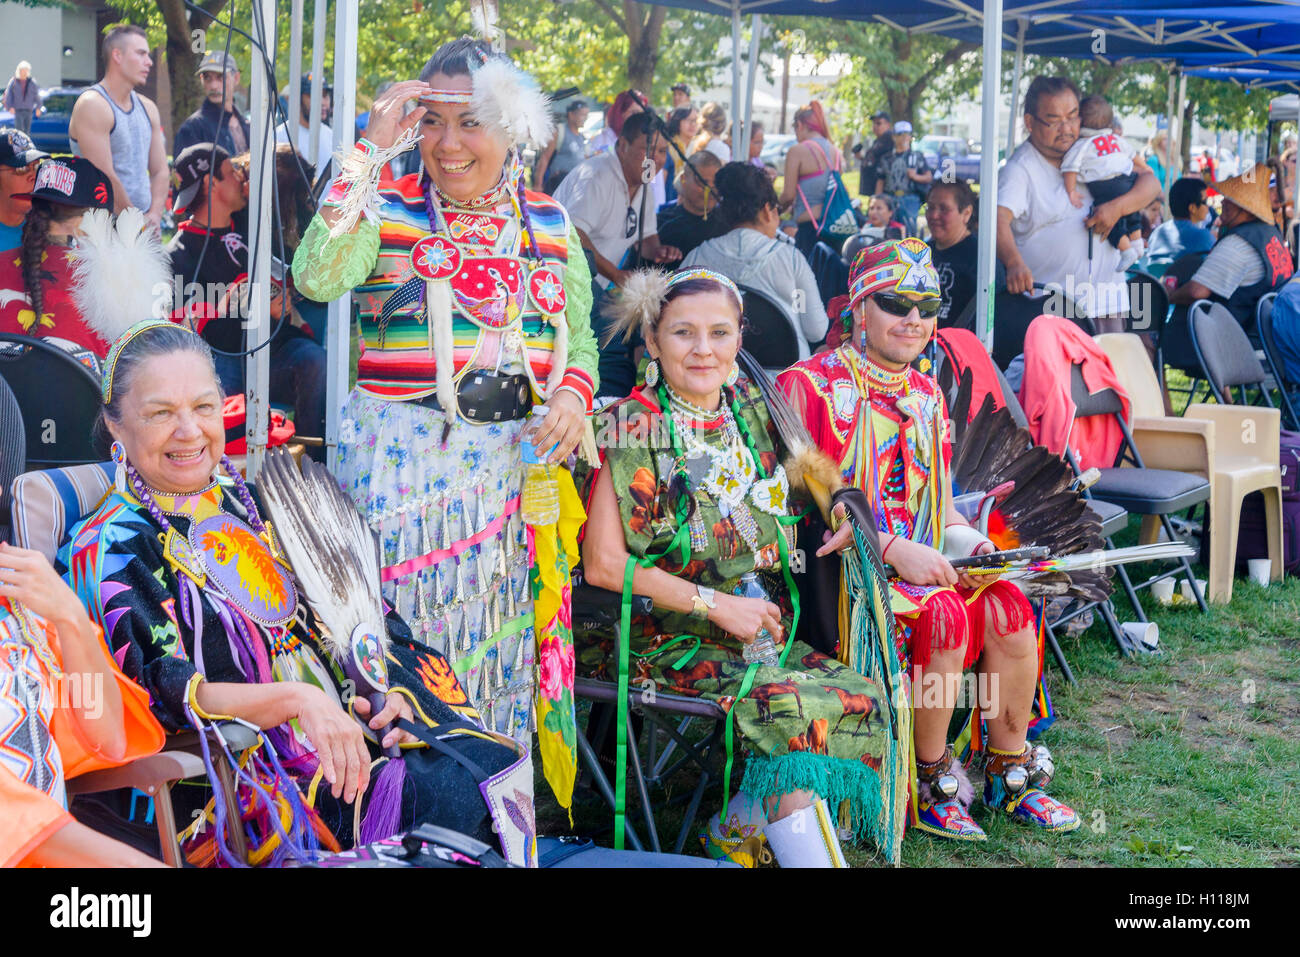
334, 555
1041, 508
121, 274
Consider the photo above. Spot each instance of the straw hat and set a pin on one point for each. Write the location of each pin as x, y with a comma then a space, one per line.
1250, 192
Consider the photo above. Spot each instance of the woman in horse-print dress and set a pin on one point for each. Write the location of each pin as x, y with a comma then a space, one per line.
691, 489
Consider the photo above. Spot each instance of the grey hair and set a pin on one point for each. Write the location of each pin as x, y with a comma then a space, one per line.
150, 343
458, 58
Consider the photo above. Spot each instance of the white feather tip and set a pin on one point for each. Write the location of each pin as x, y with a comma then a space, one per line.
508, 99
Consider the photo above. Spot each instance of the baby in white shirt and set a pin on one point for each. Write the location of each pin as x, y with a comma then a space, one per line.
1103, 160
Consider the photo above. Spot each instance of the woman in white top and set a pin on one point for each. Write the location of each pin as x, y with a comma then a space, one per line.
756, 255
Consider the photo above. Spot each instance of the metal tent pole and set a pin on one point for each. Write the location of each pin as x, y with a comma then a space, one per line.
989, 96
261, 193
317, 80
1169, 133
735, 61
1015, 82
295, 66
740, 145
1182, 100
338, 352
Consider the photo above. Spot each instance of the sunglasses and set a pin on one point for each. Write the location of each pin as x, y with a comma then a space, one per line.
902, 306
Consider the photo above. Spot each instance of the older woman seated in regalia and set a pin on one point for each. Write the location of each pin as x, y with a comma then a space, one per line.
178, 568
691, 508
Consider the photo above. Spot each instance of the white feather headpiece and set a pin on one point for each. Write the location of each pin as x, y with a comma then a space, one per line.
121, 274
508, 99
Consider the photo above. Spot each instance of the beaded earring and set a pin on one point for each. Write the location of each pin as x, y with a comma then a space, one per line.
117, 452
652, 373
733, 375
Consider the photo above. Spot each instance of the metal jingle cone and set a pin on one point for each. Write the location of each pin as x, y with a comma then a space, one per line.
480, 513
425, 547
500, 668
444, 532
494, 609
1041, 767
503, 566
512, 610
1015, 778
946, 787
521, 650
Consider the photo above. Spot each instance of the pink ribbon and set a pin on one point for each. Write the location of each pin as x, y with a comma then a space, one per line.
410, 566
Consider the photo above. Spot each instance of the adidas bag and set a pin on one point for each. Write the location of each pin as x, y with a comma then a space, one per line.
837, 221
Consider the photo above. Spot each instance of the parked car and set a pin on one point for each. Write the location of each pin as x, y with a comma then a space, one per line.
50, 129
775, 146
962, 154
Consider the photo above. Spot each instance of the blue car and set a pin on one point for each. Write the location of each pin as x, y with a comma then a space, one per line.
962, 155
50, 129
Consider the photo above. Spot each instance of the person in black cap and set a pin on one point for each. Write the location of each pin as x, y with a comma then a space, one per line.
18, 159
216, 120
210, 260
36, 287
302, 140
681, 95
882, 128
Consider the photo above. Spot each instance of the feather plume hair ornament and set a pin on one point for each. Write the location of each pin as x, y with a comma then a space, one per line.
120, 275
637, 306
506, 98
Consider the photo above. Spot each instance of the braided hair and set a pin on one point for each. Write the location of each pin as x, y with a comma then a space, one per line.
36, 236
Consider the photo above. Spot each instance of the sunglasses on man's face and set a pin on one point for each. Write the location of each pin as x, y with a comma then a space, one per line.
902, 306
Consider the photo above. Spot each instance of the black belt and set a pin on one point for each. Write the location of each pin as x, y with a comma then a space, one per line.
484, 398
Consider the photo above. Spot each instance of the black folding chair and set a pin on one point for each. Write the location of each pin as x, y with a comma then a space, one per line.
1013, 312
1173, 342
59, 400
1148, 302
1225, 352
769, 335
1273, 360
830, 270
13, 452
1138, 489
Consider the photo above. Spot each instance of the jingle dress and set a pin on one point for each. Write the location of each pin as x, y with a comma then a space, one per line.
208, 597
813, 724
894, 446
456, 552
41, 742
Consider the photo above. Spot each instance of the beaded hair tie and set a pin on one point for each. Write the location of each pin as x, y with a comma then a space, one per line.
446, 96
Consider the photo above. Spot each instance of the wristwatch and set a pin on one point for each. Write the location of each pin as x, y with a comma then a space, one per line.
702, 602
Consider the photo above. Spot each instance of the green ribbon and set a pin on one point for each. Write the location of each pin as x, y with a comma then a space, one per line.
620, 733
463, 665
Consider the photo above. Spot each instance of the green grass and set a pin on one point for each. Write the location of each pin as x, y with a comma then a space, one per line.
1186, 758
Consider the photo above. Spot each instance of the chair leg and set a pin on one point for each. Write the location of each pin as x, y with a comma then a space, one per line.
1225, 520
588, 757
165, 817
1058, 654
234, 822
1273, 519
1187, 569
1116, 633
1129, 590
638, 772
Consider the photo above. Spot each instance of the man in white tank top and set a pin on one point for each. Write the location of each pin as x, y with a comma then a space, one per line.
119, 130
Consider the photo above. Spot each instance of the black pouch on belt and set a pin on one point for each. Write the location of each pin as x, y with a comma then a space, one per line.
485, 398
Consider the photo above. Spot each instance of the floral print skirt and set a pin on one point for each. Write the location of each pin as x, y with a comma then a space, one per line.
454, 550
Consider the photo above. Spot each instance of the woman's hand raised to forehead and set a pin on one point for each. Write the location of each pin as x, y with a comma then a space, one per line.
388, 117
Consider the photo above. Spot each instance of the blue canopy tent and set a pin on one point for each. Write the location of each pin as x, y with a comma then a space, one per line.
1197, 32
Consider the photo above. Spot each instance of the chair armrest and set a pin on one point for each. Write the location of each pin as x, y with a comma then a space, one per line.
1246, 430
147, 774
237, 737
1180, 445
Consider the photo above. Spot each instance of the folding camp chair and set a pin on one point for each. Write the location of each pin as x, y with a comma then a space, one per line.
1137, 489
13, 452
1273, 359
59, 399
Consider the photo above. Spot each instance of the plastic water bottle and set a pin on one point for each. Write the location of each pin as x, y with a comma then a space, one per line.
540, 503
762, 649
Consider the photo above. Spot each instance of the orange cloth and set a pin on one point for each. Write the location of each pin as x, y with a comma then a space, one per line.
1052, 345
30, 816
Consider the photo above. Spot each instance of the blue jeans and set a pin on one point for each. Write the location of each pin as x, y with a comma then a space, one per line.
297, 379
909, 207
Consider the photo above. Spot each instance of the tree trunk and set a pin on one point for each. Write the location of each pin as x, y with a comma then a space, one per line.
643, 34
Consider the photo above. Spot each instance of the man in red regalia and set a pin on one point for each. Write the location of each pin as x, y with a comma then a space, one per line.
885, 424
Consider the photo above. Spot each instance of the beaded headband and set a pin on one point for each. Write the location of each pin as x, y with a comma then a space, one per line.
700, 272
114, 353
901, 266
447, 96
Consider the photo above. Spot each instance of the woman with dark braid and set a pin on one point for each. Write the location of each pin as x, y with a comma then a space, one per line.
78, 279
693, 509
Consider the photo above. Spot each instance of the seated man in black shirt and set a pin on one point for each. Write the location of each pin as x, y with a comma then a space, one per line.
690, 220
210, 259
